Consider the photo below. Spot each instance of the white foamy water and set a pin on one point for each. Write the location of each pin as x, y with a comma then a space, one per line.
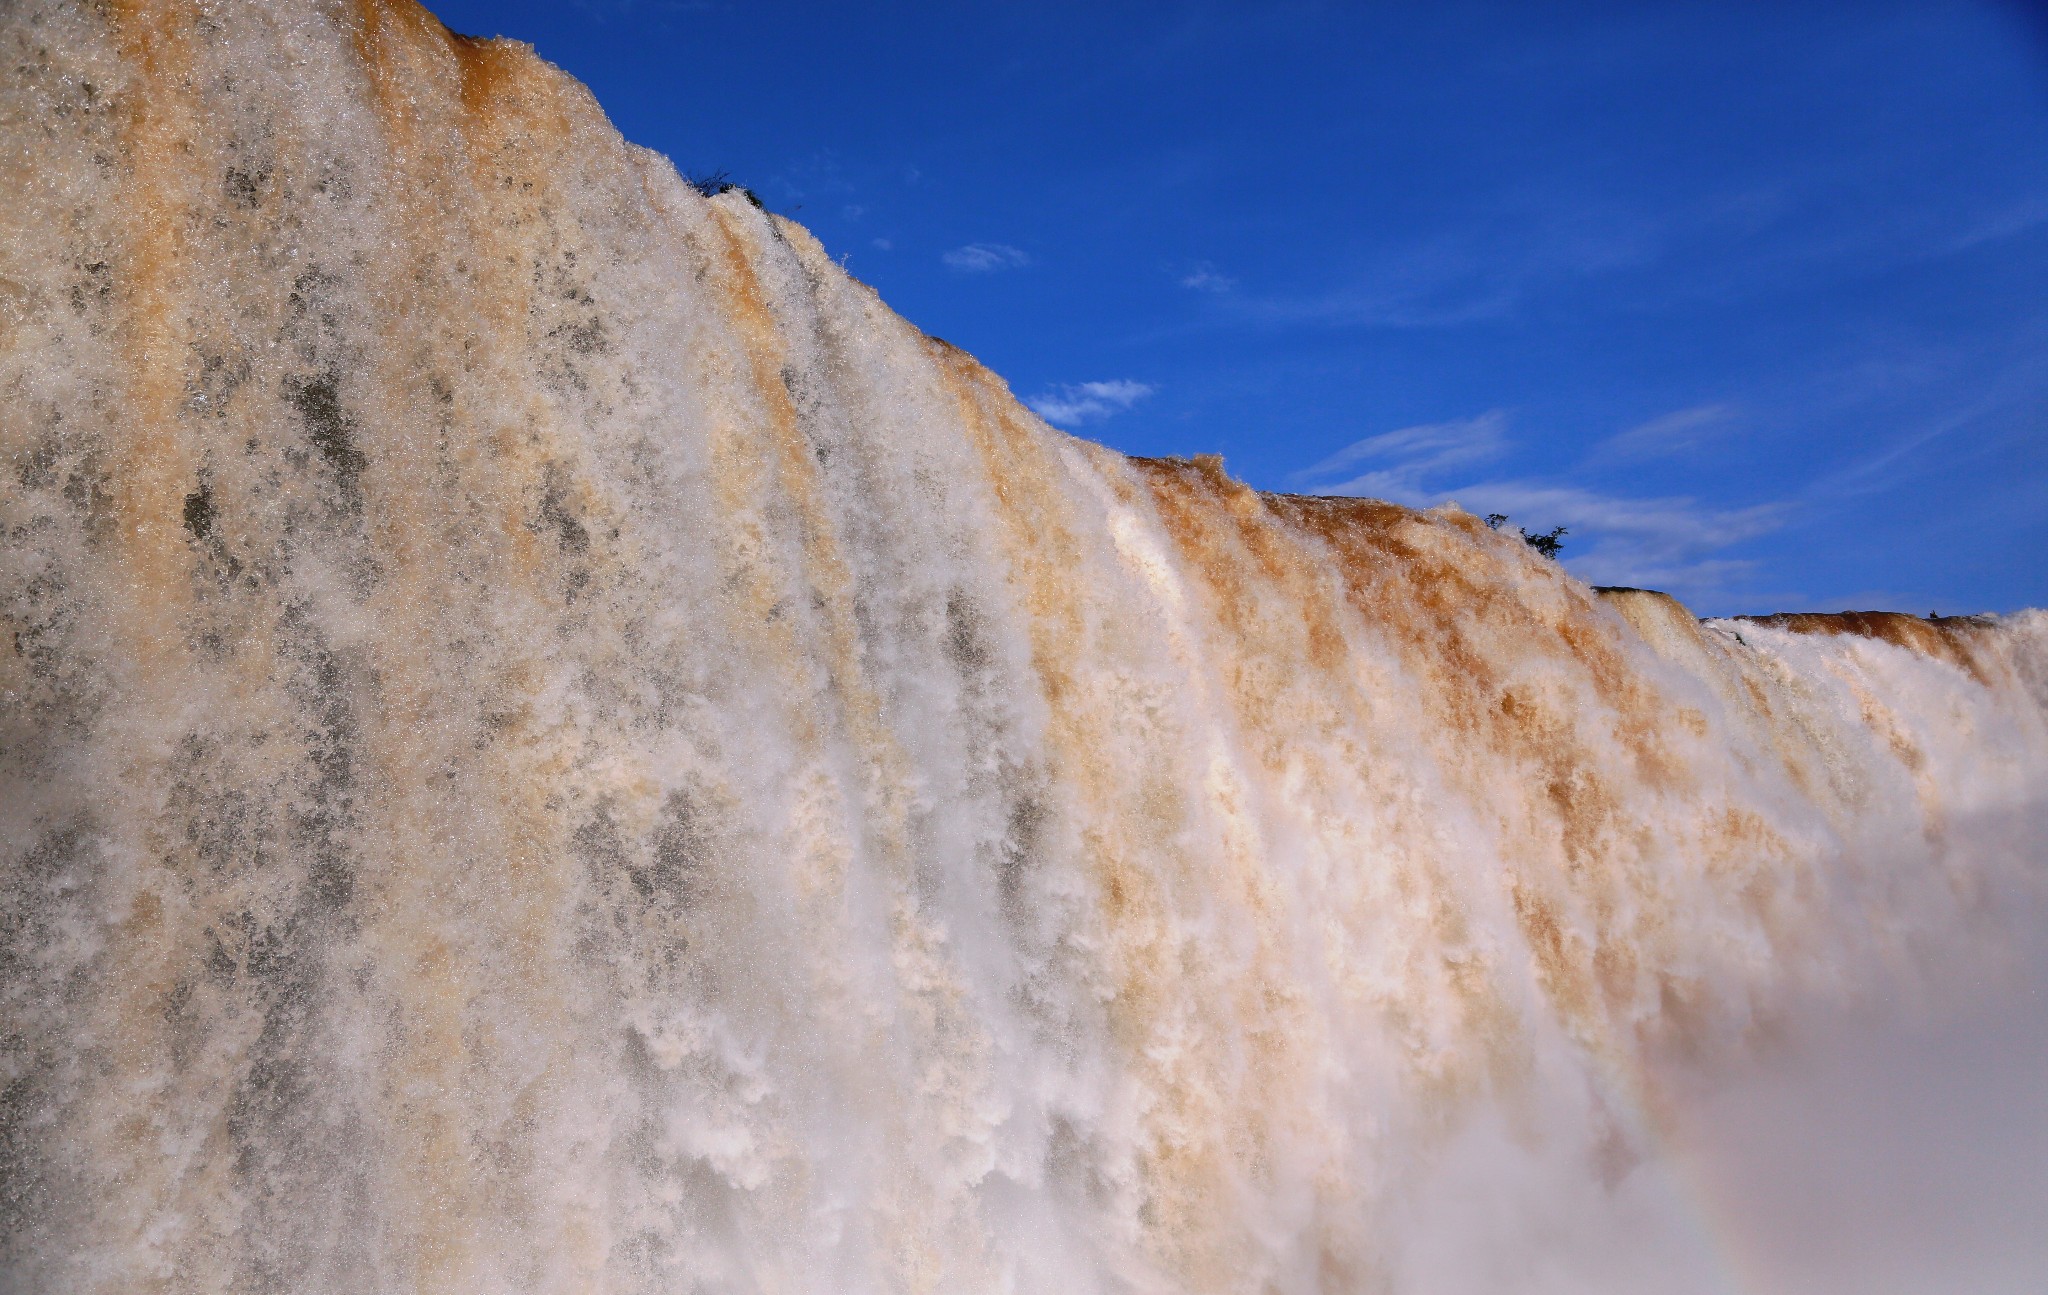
553, 743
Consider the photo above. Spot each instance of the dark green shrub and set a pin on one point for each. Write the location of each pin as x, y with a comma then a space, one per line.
1546, 544
1549, 544
713, 183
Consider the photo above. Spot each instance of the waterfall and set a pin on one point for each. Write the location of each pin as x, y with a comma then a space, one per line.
552, 742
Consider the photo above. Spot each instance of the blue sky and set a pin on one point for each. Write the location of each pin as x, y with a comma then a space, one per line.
1753, 297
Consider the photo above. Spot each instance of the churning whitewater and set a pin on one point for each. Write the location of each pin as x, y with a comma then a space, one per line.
551, 742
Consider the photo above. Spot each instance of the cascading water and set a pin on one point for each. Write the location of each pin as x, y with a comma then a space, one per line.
553, 743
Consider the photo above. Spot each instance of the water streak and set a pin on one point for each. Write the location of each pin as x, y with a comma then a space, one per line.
551, 742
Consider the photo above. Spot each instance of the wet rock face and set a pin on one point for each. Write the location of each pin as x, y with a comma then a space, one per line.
548, 740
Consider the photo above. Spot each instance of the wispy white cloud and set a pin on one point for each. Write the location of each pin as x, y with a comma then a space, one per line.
1370, 304
603, 9
1667, 434
1204, 277
1087, 402
1480, 271
1662, 542
2017, 218
1531, 245
1409, 457
1874, 472
881, 244
986, 258
1668, 542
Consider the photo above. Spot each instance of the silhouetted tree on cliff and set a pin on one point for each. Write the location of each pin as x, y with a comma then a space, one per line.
1548, 544
713, 183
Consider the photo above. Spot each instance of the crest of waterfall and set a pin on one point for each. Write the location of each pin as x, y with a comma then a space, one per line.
549, 741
